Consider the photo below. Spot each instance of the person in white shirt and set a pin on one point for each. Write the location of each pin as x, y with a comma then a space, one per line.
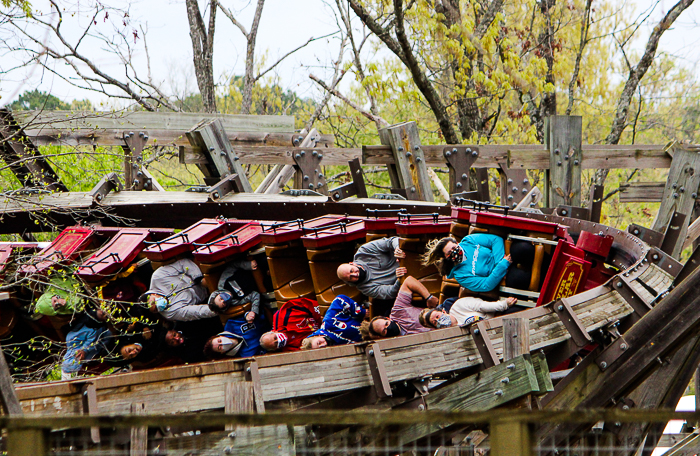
464, 311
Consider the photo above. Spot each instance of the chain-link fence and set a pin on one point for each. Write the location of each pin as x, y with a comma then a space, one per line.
498, 432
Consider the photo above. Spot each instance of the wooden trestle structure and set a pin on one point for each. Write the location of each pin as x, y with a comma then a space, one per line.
639, 328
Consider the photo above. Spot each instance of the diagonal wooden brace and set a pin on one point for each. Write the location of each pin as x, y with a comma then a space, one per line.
375, 359
483, 343
355, 188
571, 322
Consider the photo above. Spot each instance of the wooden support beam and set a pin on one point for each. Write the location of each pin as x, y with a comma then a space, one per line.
483, 343
595, 202
210, 136
286, 172
139, 435
239, 398
410, 160
674, 235
22, 156
375, 359
572, 323
510, 438
8, 395
516, 337
563, 139
354, 188
532, 199
253, 376
661, 390
89, 393
28, 442
652, 338
680, 191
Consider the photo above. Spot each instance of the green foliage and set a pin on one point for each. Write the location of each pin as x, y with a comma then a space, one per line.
38, 100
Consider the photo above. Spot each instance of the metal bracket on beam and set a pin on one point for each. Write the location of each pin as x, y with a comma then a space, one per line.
572, 323
376, 367
230, 183
651, 237
459, 161
612, 352
309, 175
295, 192
664, 261
389, 196
133, 161
356, 187
107, 184
483, 343
421, 384
673, 232
515, 185
89, 405
580, 213
595, 203
252, 374
623, 287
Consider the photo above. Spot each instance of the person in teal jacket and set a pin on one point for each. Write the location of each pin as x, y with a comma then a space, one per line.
478, 263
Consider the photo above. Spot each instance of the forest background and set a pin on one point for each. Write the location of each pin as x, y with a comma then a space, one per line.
475, 72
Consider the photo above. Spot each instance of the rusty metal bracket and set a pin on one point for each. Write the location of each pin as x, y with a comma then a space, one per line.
580, 213
421, 384
417, 403
483, 343
571, 322
88, 393
355, 188
133, 161
309, 174
515, 185
651, 237
107, 184
612, 352
664, 261
375, 359
252, 374
230, 183
459, 161
673, 232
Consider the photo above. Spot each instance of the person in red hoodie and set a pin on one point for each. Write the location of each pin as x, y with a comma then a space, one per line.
291, 324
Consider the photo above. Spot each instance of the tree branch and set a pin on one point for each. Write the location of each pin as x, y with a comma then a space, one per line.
585, 25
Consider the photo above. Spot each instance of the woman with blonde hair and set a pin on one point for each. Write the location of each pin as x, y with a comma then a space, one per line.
478, 263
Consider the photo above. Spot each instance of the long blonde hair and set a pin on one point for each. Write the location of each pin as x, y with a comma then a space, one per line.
434, 255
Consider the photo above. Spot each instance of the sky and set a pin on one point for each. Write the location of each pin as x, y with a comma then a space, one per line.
285, 25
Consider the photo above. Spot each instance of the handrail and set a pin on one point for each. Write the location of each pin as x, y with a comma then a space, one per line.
316, 229
274, 226
434, 216
181, 234
378, 211
101, 260
481, 205
233, 237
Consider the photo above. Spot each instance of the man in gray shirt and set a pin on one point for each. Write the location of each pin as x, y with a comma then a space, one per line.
176, 292
375, 269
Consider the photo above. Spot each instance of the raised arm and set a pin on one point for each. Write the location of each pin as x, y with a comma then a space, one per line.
413, 285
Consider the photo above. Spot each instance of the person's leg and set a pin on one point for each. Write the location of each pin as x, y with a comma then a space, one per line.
518, 278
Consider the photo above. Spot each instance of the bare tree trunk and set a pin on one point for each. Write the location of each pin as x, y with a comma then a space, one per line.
635, 75
203, 51
585, 25
249, 79
548, 105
